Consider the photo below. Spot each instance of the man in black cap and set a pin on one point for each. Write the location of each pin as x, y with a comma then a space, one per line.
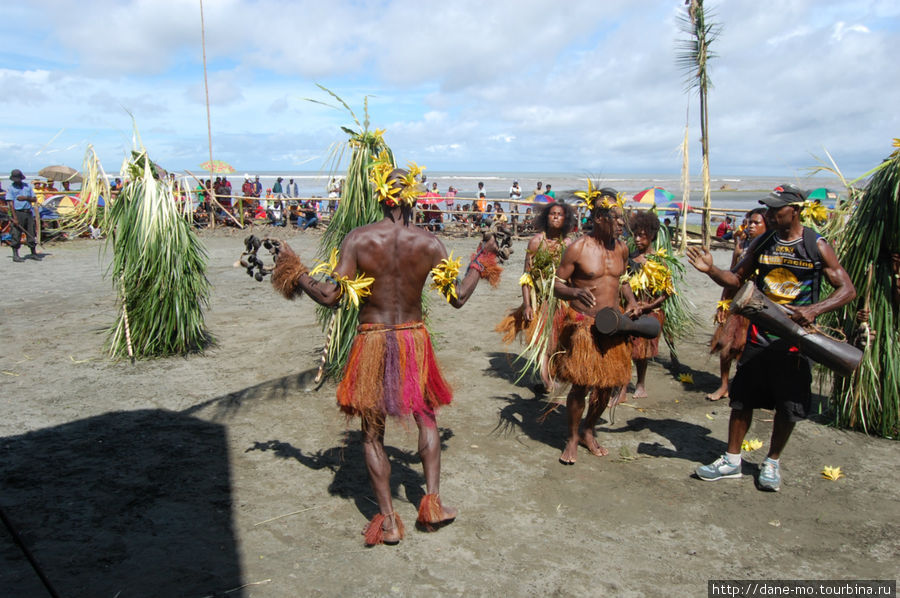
19, 199
772, 373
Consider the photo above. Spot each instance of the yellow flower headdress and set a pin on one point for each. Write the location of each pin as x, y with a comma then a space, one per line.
397, 191
603, 198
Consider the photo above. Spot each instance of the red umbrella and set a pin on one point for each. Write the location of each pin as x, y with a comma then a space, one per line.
429, 198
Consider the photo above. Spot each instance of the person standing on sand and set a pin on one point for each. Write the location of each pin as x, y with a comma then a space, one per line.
645, 228
20, 200
554, 223
772, 374
731, 329
549, 192
391, 369
588, 278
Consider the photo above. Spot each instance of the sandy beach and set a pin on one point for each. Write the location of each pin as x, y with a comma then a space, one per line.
228, 471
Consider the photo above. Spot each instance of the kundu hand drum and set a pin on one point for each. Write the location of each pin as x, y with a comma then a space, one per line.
750, 302
611, 321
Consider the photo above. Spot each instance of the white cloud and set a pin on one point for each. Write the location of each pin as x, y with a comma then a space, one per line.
531, 84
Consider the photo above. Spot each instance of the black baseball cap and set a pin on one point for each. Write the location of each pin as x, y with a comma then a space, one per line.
784, 195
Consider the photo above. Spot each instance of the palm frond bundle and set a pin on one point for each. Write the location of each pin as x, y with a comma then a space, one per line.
680, 311
869, 400
543, 276
158, 268
89, 212
356, 208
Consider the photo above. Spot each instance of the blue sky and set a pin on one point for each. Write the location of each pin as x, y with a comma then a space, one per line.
521, 86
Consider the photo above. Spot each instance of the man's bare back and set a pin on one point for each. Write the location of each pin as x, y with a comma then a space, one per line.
399, 257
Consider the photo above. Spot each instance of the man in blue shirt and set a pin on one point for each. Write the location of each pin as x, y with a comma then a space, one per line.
19, 198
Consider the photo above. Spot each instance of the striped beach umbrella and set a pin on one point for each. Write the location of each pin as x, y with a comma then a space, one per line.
653, 195
217, 167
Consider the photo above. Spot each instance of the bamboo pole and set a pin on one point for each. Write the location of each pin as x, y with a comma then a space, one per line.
212, 219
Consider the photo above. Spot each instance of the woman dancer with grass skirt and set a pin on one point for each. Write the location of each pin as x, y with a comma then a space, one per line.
731, 329
555, 222
651, 282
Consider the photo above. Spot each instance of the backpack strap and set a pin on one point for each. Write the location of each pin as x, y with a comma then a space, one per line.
810, 243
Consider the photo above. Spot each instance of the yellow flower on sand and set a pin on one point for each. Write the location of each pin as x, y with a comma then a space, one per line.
832, 473
526, 280
751, 445
686, 378
444, 275
327, 267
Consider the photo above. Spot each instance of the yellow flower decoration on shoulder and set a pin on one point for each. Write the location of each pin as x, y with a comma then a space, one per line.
444, 275
654, 276
724, 305
526, 281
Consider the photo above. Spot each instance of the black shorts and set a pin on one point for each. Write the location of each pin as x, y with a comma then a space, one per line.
773, 379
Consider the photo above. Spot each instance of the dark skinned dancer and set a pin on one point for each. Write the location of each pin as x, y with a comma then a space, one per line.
772, 374
588, 278
400, 257
554, 223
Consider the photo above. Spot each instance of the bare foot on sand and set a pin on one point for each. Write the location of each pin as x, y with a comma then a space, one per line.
721, 393
589, 441
570, 453
639, 392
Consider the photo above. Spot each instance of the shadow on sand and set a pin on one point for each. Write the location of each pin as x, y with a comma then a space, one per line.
131, 503
347, 463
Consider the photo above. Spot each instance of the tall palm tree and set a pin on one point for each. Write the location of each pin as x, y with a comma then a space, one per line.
693, 57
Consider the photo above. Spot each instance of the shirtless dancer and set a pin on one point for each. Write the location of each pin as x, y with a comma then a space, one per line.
588, 277
391, 368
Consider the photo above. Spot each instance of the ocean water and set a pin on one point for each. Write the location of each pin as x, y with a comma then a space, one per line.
731, 193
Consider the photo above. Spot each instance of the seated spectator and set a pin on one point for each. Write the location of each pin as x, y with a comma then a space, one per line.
309, 219
276, 214
725, 231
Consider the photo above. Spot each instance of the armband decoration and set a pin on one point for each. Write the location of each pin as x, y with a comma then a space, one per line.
444, 277
526, 281
724, 305
286, 276
487, 267
350, 290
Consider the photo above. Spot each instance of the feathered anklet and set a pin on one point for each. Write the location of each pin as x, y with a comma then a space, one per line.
374, 532
431, 513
